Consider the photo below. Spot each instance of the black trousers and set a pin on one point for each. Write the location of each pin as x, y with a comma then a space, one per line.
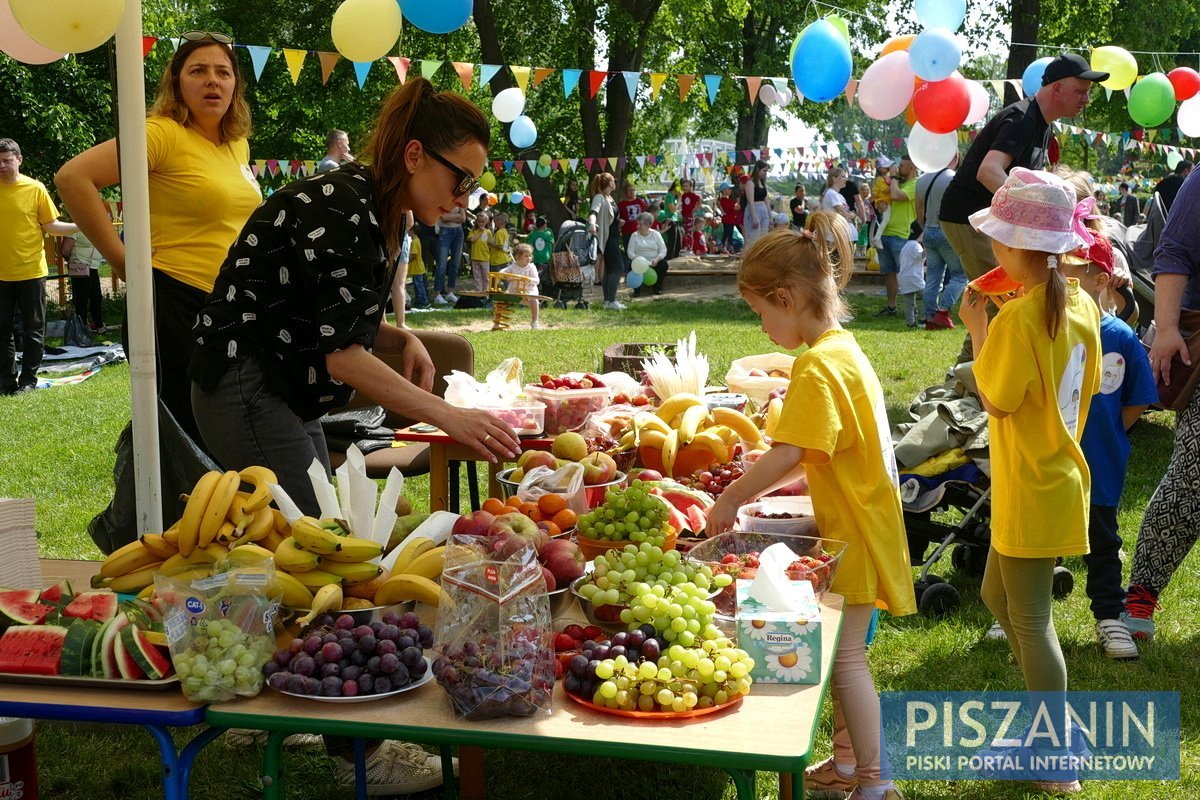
85, 292
28, 297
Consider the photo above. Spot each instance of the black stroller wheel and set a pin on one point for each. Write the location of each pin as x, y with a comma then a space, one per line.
581, 305
970, 559
560, 303
1063, 583
939, 600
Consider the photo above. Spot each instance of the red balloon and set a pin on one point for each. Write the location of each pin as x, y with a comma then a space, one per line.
1186, 82
942, 106
528, 202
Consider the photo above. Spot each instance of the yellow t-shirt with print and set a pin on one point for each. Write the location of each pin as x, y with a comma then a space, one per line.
501, 249
480, 239
834, 410
1040, 479
200, 196
881, 194
25, 206
416, 264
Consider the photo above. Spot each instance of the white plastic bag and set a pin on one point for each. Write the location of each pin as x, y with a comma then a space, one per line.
777, 373
567, 481
500, 389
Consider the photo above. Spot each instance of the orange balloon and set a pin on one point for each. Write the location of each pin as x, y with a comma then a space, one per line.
910, 115
897, 43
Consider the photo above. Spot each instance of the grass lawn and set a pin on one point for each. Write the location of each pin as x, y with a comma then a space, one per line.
57, 447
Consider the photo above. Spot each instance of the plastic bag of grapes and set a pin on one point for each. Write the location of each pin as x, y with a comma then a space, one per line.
494, 639
221, 630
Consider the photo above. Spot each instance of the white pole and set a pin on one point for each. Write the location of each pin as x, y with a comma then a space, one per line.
135, 194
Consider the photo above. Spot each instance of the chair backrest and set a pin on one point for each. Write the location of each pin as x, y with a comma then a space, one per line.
449, 351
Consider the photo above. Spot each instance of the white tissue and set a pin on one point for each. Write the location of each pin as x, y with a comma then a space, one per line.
771, 586
291, 512
323, 489
385, 515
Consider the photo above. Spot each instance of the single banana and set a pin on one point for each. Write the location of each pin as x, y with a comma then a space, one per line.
159, 546
193, 512
218, 508
273, 539
261, 479
328, 598
690, 421
247, 554
236, 513
401, 588
413, 547
261, 524
429, 564
171, 536
130, 582
353, 549
312, 536
714, 443
316, 578
774, 412
291, 557
676, 404
280, 522
653, 439
200, 557
649, 421
670, 449
128, 558
735, 419
295, 594
354, 572
727, 434
226, 533
628, 440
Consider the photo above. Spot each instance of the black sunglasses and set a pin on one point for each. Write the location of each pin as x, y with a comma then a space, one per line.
200, 36
467, 183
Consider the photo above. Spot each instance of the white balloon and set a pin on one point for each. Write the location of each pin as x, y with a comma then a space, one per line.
1188, 116
980, 102
931, 151
508, 104
767, 95
639, 265
887, 86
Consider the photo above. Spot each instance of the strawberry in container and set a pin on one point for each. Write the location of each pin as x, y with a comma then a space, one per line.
569, 399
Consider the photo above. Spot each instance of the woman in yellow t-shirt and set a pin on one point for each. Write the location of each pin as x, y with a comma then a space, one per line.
201, 193
833, 429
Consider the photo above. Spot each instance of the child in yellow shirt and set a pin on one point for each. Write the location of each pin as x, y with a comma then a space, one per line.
480, 239
833, 429
500, 243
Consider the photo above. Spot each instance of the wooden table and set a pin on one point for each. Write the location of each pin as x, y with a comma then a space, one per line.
772, 730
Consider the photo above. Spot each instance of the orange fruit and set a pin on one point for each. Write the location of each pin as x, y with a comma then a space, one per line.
551, 504
564, 519
550, 528
536, 515
494, 505
514, 502
527, 508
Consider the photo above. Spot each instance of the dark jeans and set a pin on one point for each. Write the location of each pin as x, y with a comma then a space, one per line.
30, 298
727, 229
449, 258
420, 295
85, 291
244, 422
1104, 587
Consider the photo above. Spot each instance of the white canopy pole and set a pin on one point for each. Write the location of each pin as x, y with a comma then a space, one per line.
135, 194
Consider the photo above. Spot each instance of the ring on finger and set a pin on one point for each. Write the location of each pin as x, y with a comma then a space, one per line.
485, 438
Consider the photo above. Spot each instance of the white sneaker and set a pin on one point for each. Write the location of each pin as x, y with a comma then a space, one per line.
439, 301
451, 298
396, 768
613, 305
534, 326
996, 633
1115, 639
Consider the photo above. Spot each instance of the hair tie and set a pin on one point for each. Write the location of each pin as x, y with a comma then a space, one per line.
1051, 262
1083, 211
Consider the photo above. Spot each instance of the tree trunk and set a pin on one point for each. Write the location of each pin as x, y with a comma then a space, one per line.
1026, 18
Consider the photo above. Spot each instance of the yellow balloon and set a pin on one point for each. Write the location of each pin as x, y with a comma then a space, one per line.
545, 160
364, 30
69, 26
488, 181
1120, 65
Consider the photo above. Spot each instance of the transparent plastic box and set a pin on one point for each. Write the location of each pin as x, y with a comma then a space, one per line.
569, 408
526, 417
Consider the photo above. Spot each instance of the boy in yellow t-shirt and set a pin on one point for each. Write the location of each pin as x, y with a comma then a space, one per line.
500, 244
480, 239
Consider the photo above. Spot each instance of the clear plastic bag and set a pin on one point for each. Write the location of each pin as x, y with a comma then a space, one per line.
221, 631
500, 389
756, 376
567, 481
493, 633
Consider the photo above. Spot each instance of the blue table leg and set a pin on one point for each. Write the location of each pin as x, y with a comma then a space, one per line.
360, 769
743, 782
177, 767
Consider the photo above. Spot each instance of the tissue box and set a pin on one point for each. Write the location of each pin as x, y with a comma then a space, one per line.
785, 645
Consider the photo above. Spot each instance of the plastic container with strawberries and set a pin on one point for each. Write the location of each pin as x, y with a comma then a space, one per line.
569, 408
526, 417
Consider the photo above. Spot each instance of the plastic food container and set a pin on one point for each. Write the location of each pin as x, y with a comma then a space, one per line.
734, 400
799, 519
525, 418
827, 552
593, 494
568, 408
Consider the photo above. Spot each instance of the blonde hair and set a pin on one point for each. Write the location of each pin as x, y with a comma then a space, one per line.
1056, 286
169, 102
816, 264
833, 175
522, 248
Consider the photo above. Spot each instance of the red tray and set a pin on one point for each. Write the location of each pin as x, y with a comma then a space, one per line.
620, 712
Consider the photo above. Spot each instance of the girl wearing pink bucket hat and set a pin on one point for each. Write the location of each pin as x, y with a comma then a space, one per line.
1037, 366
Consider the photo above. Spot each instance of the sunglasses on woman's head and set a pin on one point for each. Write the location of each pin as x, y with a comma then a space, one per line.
467, 182
200, 36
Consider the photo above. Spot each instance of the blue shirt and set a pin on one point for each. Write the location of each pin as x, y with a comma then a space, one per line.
1125, 380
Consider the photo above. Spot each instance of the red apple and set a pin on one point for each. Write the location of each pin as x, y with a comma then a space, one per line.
536, 458
646, 475
517, 525
598, 468
474, 524
506, 547
551, 583
563, 559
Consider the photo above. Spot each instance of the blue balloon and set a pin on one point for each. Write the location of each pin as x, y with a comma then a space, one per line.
515, 198
633, 279
821, 62
522, 133
1031, 78
947, 14
442, 16
934, 54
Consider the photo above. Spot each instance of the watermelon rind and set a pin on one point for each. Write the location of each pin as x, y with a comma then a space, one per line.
127, 666
109, 666
58, 593
77, 647
19, 596
149, 658
32, 649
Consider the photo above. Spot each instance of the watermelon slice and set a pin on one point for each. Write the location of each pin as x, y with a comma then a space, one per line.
32, 649
77, 647
17, 609
19, 596
109, 664
126, 665
150, 660
100, 606
58, 593
995, 283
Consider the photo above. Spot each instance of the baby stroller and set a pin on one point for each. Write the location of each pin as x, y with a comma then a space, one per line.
574, 250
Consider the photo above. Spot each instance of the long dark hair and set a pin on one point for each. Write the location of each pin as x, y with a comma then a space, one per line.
415, 110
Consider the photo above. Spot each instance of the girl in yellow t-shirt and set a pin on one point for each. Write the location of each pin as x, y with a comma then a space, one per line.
833, 429
1037, 367
480, 238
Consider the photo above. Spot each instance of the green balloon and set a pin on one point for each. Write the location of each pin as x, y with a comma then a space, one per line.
1151, 100
649, 277
838, 23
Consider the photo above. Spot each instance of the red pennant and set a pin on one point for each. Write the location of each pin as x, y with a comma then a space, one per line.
595, 81
148, 43
497, 166
518, 166
587, 163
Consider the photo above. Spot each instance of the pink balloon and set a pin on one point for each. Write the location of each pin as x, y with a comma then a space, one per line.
18, 44
980, 103
886, 86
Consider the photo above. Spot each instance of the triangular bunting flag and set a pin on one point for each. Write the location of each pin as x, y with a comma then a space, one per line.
258, 58
1015, 83
631, 83
1107, 93
465, 71
752, 85
748, 155
310, 167
656, 83
685, 85
570, 80
851, 88
295, 62
541, 73
522, 76
361, 69
641, 161
595, 81
148, 43
781, 86
519, 166
621, 162
260, 166
487, 72
497, 166
401, 65
574, 162
997, 88
712, 83
587, 163
508, 166
296, 165
328, 60
429, 68
273, 166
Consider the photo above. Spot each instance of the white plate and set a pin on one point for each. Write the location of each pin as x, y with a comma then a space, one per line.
363, 698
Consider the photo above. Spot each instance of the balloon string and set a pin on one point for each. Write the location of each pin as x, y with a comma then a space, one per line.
1086, 49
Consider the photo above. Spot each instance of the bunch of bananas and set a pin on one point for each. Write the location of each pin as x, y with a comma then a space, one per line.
683, 435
